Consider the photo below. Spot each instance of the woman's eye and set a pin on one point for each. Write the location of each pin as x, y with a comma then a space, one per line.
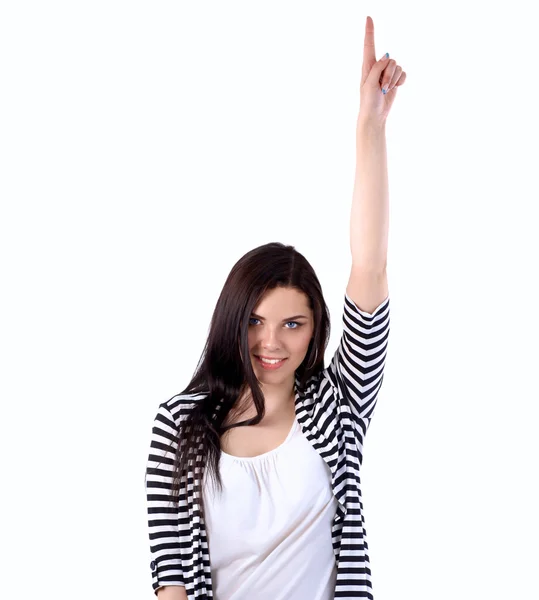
295, 323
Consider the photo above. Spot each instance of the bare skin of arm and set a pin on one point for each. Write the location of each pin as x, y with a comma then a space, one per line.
172, 592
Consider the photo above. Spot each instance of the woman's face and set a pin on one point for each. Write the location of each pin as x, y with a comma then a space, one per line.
281, 326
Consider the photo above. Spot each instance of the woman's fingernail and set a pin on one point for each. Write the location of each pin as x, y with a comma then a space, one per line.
386, 55
384, 89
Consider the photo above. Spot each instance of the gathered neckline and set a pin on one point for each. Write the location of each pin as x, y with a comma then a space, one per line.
258, 457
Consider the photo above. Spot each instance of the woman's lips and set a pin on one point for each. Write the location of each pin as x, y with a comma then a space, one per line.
269, 366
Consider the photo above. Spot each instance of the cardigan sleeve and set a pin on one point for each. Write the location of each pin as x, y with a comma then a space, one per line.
357, 367
163, 513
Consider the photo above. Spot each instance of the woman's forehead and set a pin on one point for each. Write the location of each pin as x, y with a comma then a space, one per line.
283, 300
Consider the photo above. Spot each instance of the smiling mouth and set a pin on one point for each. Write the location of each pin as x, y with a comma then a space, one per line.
271, 363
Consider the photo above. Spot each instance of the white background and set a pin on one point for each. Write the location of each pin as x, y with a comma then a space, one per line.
145, 147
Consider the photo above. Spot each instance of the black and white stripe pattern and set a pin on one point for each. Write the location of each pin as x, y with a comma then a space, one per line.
334, 411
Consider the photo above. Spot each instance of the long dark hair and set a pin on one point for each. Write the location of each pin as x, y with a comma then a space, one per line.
225, 371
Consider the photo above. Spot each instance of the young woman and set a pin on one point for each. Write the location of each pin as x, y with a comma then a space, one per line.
253, 477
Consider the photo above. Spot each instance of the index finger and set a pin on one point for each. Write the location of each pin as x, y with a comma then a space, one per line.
369, 54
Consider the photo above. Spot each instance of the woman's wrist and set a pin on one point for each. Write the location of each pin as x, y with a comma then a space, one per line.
368, 127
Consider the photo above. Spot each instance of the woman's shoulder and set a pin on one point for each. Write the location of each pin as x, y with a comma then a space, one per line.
180, 405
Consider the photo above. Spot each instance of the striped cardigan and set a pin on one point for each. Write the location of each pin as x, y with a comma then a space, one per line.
334, 410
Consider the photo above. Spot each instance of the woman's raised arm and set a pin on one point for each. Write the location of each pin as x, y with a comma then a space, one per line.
369, 218
172, 592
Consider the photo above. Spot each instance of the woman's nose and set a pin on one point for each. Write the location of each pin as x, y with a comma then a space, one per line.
270, 338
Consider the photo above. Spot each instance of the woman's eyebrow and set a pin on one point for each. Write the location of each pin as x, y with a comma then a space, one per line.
284, 320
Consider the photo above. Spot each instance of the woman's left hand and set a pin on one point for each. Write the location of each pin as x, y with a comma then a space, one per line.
377, 77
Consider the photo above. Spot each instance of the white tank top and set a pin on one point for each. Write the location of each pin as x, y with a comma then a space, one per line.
269, 531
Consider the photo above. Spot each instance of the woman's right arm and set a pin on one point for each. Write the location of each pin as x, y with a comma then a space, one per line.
164, 511
172, 592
